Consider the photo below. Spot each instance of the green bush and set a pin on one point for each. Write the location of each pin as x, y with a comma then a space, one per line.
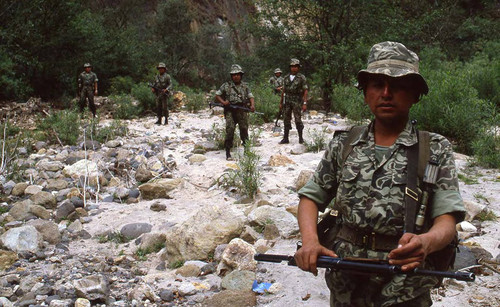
487, 150
63, 124
124, 107
349, 101
316, 140
142, 92
265, 102
121, 85
103, 134
218, 135
195, 101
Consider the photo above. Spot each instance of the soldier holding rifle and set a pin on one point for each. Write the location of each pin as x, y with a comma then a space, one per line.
161, 87
371, 191
235, 93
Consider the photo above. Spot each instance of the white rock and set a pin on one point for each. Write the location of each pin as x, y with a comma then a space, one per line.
81, 168
467, 227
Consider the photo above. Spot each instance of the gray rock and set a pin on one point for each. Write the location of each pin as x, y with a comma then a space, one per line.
48, 230
22, 239
465, 258
298, 149
92, 287
18, 189
77, 202
22, 151
8, 186
209, 268
40, 212
186, 289
134, 193
91, 145
206, 145
39, 145
167, 295
159, 188
113, 143
219, 250
150, 241
231, 298
238, 280
32, 189
134, 230
61, 303
218, 225
64, 210
121, 193
108, 199
285, 221
75, 227
157, 207
7, 259
238, 255
302, 179
197, 158
56, 184
189, 270
249, 234
143, 174
271, 232
52, 166
20, 211
44, 199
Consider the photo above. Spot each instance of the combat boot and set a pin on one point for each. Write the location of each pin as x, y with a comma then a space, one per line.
285, 137
166, 120
228, 154
158, 122
301, 139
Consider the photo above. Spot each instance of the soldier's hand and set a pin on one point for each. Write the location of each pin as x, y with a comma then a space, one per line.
95, 92
252, 108
153, 90
411, 251
304, 107
226, 103
307, 256
281, 105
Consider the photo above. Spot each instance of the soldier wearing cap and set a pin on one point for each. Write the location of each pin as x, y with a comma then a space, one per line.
369, 188
235, 92
293, 100
276, 81
87, 88
161, 87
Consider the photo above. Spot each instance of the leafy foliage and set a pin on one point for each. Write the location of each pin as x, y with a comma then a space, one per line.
63, 125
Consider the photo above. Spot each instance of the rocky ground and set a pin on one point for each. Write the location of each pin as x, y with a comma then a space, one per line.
142, 221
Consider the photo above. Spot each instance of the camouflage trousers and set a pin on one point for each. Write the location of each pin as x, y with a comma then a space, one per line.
162, 106
296, 109
87, 92
233, 118
348, 289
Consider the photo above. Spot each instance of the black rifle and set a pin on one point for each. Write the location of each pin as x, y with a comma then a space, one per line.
233, 106
161, 90
365, 266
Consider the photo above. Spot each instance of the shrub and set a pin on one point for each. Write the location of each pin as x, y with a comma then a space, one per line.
125, 108
121, 85
195, 101
487, 150
63, 125
348, 101
265, 102
142, 92
105, 133
218, 136
316, 140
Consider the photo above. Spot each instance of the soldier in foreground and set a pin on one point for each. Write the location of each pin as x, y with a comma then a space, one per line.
371, 187
276, 81
161, 87
237, 93
87, 88
293, 100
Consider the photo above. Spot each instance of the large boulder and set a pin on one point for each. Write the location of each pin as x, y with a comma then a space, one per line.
159, 188
81, 168
20, 211
92, 287
238, 255
48, 229
285, 221
197, 237
22, 239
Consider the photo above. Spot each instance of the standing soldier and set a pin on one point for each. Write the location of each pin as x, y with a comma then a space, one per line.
87, 88
161, 87
237, 93
293, 100
276, 81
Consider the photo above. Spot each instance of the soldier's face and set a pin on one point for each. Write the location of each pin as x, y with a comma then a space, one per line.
88, 69
294, 69
390, 98
278, 74
162, 70
236, 78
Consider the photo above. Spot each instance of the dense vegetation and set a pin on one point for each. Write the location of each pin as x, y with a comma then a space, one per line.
43, 44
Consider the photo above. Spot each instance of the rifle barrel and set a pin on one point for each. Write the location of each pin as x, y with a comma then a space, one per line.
364, 267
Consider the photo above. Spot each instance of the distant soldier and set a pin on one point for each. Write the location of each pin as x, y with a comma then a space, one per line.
235, 92
161, 87
87, 88
293, 100
276, 81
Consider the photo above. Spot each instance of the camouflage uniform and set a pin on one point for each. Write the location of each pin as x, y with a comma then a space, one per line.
369, 191
294, 92
276, 82
237, 95
162, 81
86, 83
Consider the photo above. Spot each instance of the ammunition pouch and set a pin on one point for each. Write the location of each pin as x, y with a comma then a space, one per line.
328, 228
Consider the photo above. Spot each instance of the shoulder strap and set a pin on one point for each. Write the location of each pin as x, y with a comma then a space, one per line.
424, 152
354, 133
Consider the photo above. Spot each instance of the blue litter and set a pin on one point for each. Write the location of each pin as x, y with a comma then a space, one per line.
261, 288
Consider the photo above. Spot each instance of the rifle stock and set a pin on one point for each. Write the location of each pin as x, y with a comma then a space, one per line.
362, 266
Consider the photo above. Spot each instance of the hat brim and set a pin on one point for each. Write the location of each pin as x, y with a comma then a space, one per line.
395, 73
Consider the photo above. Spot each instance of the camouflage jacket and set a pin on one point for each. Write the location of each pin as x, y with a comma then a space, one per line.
87, 79
294, 90
370, 193
163, 81
276, 82
235, 94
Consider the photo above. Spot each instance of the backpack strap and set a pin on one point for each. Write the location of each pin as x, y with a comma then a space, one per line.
424, 152
353, 134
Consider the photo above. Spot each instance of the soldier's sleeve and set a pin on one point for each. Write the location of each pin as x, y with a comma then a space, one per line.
249, 93
304, 83
80, 79
169, 83
221, 91
447, 197
95, 78
322, 187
